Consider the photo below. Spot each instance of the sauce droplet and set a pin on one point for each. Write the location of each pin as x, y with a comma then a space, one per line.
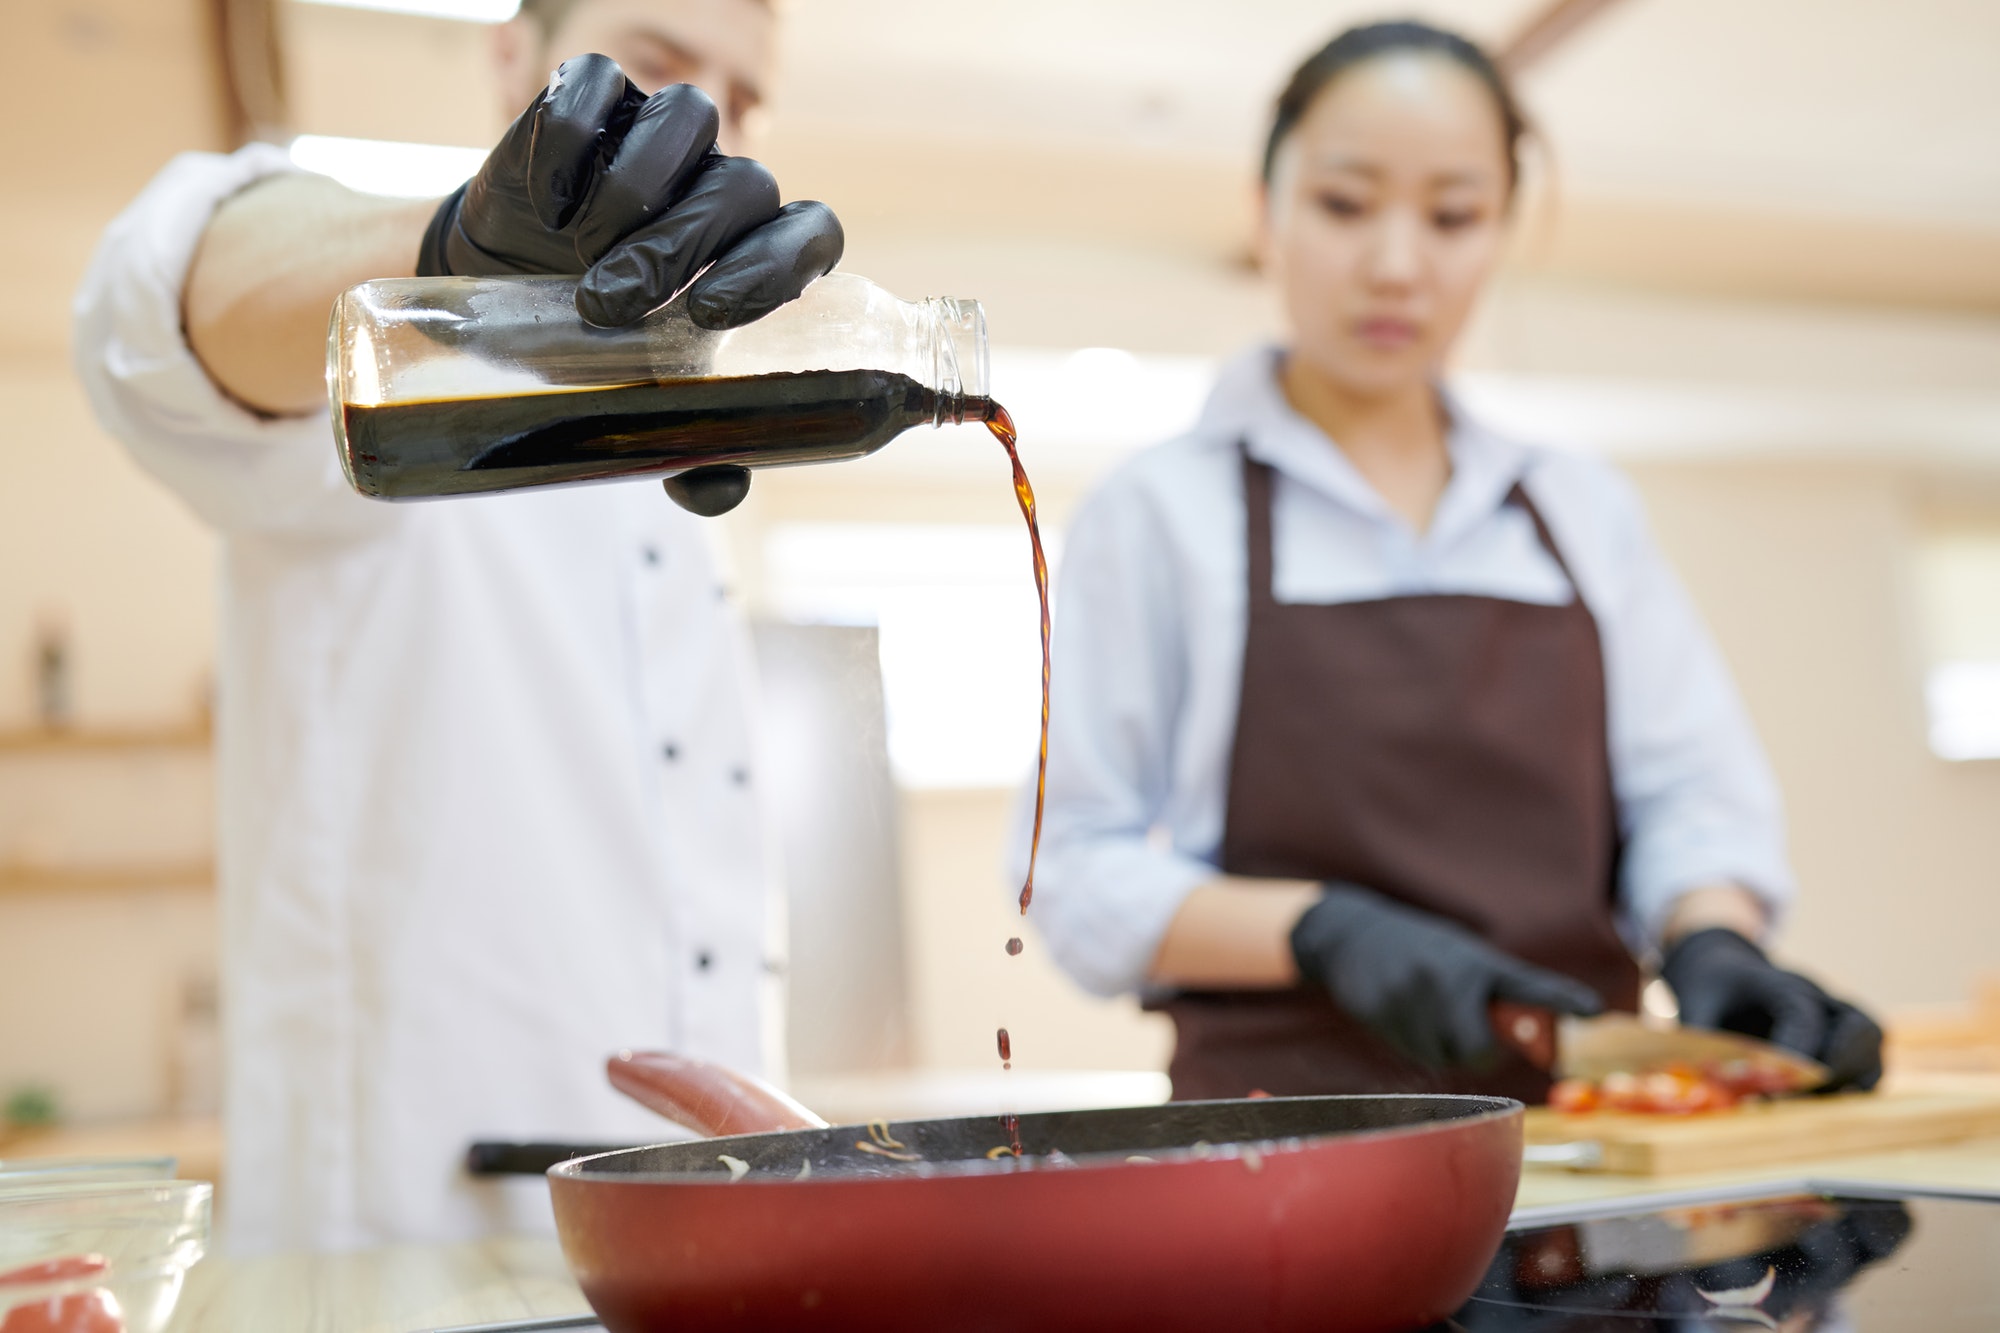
1014, 946
1006, 1045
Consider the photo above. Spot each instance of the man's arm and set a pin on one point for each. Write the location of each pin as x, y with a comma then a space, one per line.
594, 179
266, 274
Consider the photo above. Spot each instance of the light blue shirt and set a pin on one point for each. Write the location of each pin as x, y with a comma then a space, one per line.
1149, 656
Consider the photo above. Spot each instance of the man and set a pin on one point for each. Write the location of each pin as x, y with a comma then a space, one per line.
488, 809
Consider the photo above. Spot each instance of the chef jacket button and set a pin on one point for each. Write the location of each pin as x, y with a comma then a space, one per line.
704, 960
670, 752
740, 776
651, 554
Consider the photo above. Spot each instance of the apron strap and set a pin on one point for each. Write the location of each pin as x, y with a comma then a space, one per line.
1257, 494
1518, 495
1257, 515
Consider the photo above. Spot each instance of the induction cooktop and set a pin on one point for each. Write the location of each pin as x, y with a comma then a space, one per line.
1803, 1257
1815, 1258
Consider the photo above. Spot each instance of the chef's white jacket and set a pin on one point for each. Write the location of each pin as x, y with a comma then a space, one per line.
1148, 662
488, 804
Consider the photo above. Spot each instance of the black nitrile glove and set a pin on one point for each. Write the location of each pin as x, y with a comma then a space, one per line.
1724, 981
598, 179
1419, 982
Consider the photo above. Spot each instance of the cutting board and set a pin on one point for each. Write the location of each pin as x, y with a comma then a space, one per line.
1764, 1133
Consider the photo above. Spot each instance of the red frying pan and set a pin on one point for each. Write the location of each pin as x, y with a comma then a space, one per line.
1322, 1213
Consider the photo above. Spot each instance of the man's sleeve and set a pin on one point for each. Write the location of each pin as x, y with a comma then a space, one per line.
1106, 891
242, 472
1697, 800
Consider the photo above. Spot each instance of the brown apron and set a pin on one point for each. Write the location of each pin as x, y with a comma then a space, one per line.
1447, 750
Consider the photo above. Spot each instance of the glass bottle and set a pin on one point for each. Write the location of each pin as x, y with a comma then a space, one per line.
450, 386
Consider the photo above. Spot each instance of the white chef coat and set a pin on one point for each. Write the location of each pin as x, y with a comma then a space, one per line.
488, 811
1148, 662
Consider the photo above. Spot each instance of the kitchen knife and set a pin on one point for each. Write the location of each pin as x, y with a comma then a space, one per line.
1590, 1048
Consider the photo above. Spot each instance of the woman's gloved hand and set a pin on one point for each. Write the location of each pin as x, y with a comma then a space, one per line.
598, 179
1722, 980
1419, 982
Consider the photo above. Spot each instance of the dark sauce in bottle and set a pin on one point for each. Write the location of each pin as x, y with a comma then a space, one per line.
454, 446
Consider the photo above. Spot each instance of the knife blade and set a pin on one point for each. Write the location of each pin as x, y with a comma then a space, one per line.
1591, 1048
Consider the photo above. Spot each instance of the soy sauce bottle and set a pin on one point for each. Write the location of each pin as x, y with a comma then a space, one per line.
452, 386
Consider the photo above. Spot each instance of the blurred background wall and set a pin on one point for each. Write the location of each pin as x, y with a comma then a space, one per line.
1760, 268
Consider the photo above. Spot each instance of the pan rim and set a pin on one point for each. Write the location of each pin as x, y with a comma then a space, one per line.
578, 1169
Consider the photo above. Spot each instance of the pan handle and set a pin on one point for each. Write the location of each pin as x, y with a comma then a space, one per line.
708, 1099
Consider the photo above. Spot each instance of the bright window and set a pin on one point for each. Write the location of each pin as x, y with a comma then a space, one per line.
1958, 588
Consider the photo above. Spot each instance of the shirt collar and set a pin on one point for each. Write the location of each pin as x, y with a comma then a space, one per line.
1248, 404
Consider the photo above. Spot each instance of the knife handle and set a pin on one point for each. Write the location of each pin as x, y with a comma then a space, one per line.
1527, 1031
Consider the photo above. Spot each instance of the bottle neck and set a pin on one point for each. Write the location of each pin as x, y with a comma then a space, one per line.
958, 360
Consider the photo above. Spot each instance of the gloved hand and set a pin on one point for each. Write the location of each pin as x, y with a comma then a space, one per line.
1419, 982
1724, 981
628, 190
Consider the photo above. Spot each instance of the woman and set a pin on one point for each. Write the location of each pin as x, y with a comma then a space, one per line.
1365, 716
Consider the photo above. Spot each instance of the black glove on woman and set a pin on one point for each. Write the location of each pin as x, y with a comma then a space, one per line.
628, 190
1419, 982
1724, 981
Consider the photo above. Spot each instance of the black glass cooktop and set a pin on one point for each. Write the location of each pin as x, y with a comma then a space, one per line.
1826, 1260
1811, 1259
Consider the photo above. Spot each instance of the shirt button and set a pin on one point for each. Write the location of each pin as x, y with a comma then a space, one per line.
740, 776
651, 554
704, 960
670, 752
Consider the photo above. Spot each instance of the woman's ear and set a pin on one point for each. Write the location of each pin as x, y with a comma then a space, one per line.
517, 59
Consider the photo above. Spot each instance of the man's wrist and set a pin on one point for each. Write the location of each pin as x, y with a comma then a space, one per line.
266, 271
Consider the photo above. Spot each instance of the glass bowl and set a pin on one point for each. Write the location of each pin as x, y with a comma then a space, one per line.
99, 1257
37, 1174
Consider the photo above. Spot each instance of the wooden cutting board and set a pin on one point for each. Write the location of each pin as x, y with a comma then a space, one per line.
1761, 1134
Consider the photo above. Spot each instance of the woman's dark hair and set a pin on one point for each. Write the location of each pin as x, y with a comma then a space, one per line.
1358, 45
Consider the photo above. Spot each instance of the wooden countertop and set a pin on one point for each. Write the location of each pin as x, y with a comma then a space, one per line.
399, 1289
421, 1287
